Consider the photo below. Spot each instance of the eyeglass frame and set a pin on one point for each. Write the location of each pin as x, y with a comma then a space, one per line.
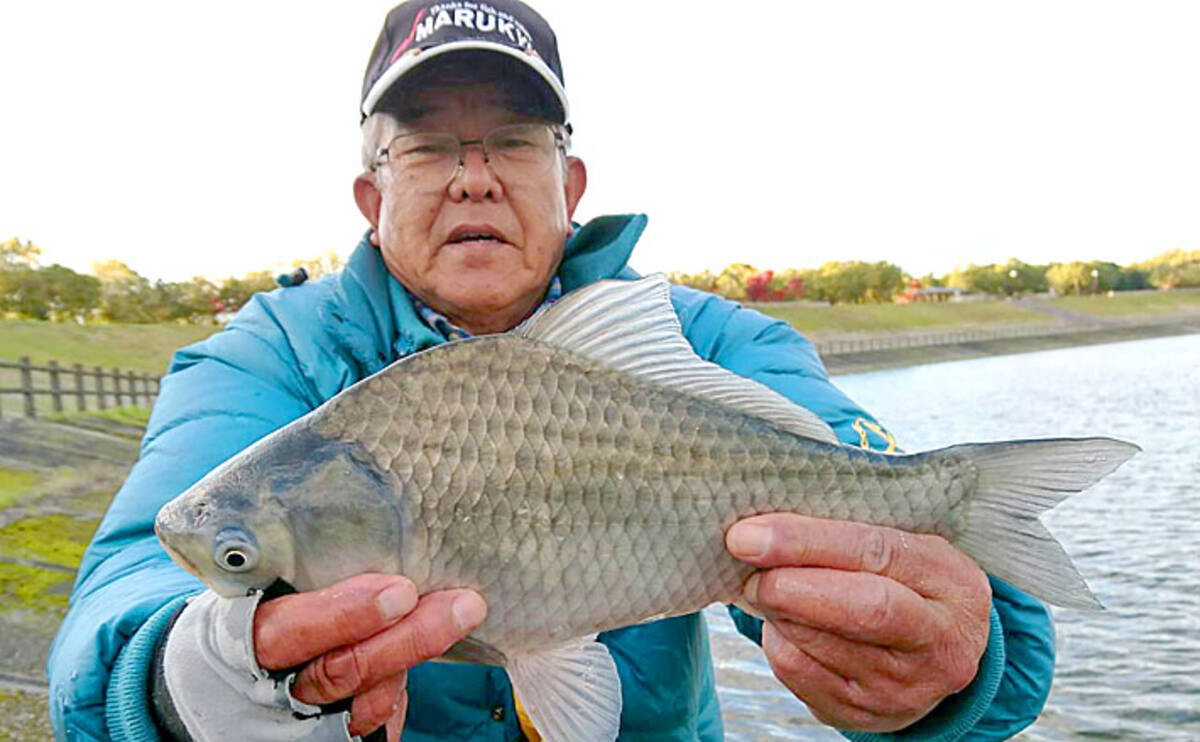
561, 133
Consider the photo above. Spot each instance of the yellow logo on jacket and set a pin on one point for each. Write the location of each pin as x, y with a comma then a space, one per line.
873, 437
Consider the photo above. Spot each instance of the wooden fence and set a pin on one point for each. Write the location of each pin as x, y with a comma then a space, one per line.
82, 388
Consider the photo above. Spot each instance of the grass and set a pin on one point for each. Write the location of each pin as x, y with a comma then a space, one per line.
23, 717
135, 416
14, 483
882, 317
817, 319
143, 348
33, 589
1132, 303
54, 539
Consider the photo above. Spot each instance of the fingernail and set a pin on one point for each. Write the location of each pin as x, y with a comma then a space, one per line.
396, 601
750, 591
748, 540
469, 611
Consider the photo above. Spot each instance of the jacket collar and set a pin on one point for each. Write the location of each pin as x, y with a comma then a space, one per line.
371, 316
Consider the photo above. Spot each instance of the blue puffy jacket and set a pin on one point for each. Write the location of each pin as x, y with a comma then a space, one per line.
290, 350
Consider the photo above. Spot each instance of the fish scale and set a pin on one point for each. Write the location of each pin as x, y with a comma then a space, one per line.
649, 478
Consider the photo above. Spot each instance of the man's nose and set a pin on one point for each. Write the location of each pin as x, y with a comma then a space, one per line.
474, 179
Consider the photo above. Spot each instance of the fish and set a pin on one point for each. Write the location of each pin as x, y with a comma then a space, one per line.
580, 472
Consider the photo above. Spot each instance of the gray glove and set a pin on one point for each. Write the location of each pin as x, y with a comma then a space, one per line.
218, 691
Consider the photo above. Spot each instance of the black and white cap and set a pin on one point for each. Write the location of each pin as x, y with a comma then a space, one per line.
418, 31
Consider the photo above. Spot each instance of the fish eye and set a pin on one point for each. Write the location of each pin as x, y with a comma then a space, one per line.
235, 550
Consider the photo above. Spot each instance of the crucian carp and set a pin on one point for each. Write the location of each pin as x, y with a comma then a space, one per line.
580, 472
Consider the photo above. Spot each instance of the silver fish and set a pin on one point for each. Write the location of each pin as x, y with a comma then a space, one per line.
580, 472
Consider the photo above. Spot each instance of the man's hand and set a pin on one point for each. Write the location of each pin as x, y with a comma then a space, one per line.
358, 638
870, 627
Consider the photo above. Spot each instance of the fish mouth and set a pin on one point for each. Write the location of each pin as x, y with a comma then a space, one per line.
164, 532
178, 557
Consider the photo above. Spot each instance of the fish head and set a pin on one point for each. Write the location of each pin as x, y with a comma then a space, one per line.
296, 506
227, 530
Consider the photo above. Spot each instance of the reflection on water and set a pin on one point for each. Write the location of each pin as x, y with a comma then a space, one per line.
1131, 672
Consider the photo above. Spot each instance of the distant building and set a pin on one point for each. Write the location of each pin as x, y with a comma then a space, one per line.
915, 293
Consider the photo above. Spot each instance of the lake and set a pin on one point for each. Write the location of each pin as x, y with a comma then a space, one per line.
1131, 672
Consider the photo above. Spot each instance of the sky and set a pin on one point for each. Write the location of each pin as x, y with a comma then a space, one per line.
220, 138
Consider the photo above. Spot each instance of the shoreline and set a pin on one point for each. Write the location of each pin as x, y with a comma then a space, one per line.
859, 353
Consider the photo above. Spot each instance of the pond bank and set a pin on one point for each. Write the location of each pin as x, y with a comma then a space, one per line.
859, 352
56, 480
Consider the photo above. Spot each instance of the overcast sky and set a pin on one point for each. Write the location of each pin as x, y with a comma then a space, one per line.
222, 137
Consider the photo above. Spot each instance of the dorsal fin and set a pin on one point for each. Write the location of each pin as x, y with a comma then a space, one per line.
631, 326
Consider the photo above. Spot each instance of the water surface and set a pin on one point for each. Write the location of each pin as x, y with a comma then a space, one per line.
1131, 672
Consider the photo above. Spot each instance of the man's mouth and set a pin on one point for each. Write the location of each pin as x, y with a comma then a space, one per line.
480, 237
474, 234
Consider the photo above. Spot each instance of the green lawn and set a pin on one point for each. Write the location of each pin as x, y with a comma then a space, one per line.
1133, 303
817, 320
133, 416
14, 483
882, 317
138, 348
128, 347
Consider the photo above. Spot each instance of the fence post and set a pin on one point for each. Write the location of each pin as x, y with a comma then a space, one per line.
55, 388
133, 392
80, 399
116, 377
100, 388
146, 389
27, 386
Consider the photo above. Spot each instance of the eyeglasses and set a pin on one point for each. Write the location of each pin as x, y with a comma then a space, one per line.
515, 153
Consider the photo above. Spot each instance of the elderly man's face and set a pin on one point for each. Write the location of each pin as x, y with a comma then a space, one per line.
485, 285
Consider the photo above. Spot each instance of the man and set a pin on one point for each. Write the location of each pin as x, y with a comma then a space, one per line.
469, 193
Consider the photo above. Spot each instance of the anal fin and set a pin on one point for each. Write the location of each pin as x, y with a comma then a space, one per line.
571, 692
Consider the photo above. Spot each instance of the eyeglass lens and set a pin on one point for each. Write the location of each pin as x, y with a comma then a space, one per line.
514, 153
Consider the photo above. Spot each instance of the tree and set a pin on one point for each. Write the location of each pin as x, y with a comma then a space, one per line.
1069, 278
199, 299
1173, 269
125, 296
69, 295
856, 282
704, 280
322, 265
235, 292
16, 253
731, 283
53, 292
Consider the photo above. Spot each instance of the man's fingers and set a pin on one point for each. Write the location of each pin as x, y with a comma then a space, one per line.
829, 696
395, 725
927, 564
859, 606
439, 621
373, 707
847, 658
295, 628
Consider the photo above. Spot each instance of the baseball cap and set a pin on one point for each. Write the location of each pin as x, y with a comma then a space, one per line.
417, 32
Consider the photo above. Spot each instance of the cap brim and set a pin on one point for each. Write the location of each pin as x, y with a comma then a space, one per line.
407, 62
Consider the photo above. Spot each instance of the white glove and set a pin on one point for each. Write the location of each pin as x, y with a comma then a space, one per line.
217, 688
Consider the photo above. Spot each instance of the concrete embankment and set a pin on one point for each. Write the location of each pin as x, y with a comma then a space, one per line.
857, 352
56, 480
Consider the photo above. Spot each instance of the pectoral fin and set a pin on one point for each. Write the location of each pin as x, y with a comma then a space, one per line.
571, 692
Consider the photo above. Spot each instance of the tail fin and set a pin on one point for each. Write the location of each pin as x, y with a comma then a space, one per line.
1017, 481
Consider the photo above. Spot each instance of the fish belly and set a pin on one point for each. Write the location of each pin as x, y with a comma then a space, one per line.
578, 499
